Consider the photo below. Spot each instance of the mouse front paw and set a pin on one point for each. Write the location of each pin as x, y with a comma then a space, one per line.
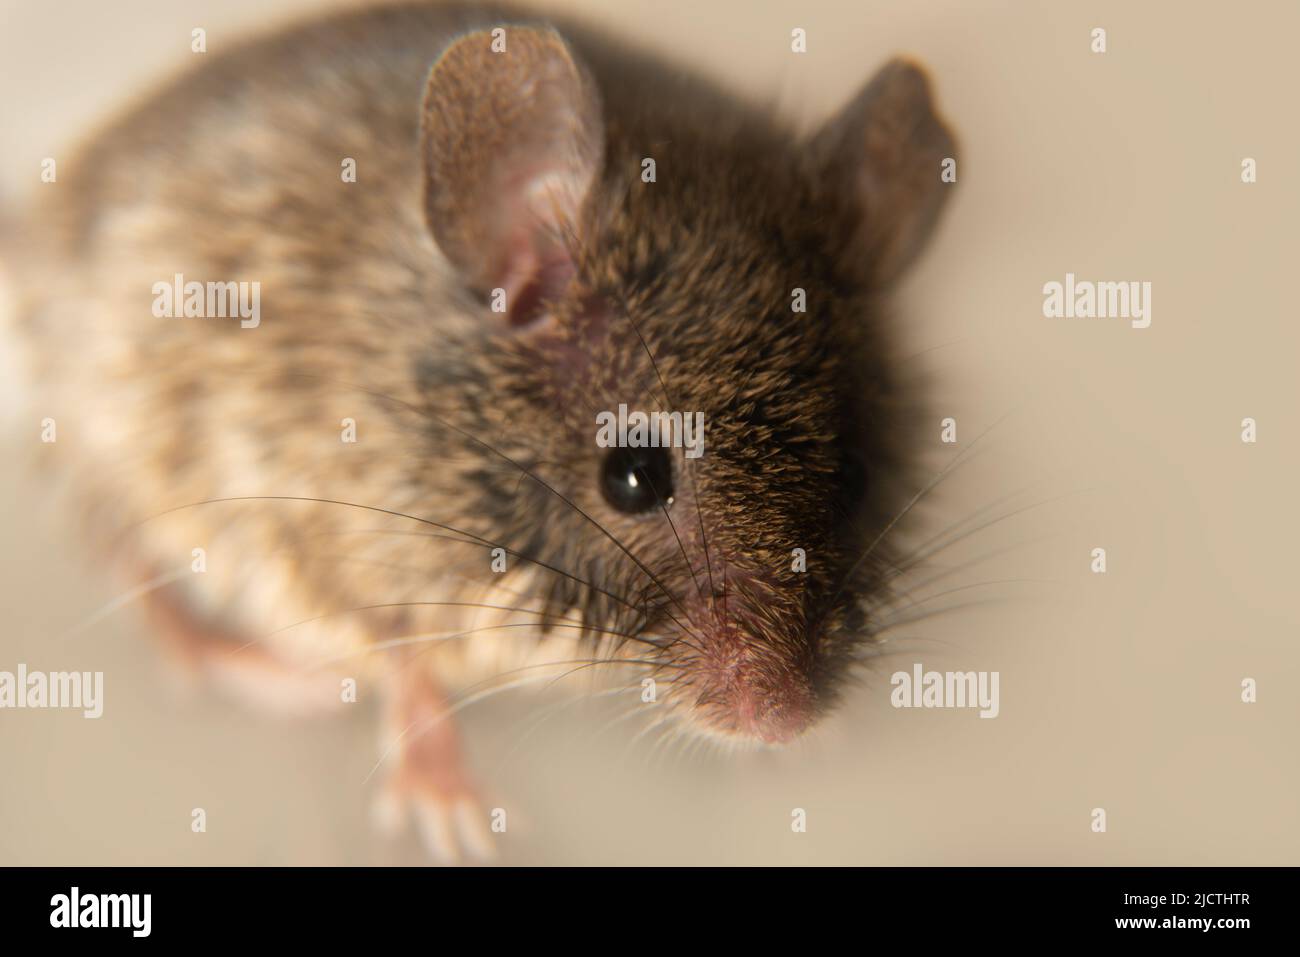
427, 782
453, 828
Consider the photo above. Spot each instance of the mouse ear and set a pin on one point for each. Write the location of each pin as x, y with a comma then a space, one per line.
512, 139
887, 149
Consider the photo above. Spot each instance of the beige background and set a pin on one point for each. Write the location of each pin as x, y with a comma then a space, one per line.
1118, 691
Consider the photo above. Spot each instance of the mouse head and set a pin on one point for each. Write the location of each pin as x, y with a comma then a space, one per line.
679, 403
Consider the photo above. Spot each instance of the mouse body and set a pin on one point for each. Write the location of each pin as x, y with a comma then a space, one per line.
328, 326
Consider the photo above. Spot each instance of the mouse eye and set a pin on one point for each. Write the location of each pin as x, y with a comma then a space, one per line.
636, 480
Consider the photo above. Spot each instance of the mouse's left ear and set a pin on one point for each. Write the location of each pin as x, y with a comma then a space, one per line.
888, 151
512, 138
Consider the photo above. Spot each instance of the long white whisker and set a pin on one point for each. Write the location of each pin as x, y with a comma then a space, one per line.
123, 600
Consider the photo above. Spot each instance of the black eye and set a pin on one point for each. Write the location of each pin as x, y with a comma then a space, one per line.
637, 479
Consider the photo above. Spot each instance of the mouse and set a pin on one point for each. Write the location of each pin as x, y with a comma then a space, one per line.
332, 326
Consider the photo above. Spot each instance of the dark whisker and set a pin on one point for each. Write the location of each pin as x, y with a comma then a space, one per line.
431, 640
415, 604
921, 556
426, 414
946, 573
919, 603
471, 538
944, 472
567, 501
656, 666
936, 613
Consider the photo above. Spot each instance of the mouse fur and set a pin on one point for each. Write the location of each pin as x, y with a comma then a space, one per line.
480, 173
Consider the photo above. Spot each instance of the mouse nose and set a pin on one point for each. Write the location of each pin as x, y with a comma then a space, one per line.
772, 718
759, 697
751, 659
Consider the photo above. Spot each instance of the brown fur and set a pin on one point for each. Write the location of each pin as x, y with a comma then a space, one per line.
232, 173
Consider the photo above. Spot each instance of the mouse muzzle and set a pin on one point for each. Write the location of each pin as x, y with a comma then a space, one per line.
747, 676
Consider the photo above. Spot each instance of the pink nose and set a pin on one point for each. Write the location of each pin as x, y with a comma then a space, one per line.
779, 725
751, 684
774, 714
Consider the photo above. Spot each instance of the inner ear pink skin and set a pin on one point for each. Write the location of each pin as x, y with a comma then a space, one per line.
533, 264
528, 290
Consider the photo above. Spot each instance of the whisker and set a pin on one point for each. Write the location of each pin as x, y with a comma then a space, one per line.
409, 604
946, 470
920, 556
540, 716
426, 414
654, 664
879, 648
910, 564
567, 501
466, 700
441, 716
470, 539
956, 569
922, 602
621, 599
668, 402
416, 570
415, 604
430, 638
974, 516
125, 599
937, 613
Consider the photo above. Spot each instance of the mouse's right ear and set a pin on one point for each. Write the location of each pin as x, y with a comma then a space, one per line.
512, 138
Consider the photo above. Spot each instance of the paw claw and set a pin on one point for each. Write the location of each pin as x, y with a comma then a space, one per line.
472, 827
451, 827
428, 780
433, 819
388, 812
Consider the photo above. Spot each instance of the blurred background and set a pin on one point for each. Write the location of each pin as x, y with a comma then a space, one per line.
1120, 691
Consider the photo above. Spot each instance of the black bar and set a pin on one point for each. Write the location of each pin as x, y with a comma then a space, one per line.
635, 908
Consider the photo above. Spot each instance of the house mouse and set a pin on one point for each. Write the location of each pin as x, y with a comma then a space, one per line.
326, 329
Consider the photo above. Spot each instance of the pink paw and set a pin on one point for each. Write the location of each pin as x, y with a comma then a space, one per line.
452, 827
427, 780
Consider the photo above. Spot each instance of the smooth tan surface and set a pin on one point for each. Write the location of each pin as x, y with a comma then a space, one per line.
1119, 691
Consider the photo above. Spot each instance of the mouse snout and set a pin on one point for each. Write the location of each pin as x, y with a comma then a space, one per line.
751, 683
772, 717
